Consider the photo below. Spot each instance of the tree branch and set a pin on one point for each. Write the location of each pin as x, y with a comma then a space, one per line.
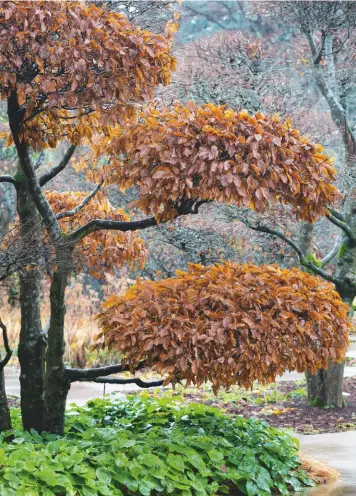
8, 350
7, 179
333, 252
75, 375
132, 380
100, 224
337, 214
71, 213
62, 165
303, 261
39, 160
15, 114
342, 225
185, 207
319, 55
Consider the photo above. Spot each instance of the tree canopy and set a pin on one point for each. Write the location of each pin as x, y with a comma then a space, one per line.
212, 153
76, 68
228, 324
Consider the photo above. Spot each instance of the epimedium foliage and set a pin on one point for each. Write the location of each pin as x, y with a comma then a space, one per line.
228, 324
213, 153
102, 251
76, 68
146, 446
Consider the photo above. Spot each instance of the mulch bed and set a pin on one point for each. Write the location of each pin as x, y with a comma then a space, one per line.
295, 413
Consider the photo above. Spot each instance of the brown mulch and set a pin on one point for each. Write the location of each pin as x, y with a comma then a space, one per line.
294, 413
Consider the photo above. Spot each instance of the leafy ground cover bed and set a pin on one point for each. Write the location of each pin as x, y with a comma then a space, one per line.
281, 405
147, 446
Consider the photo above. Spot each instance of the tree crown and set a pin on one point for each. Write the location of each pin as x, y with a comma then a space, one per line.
228, 324
212, 153
76, 68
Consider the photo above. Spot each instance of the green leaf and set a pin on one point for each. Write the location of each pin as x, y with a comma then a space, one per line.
215, 456
176, 461
103, 476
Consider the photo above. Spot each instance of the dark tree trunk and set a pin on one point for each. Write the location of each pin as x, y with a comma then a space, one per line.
57, 385
5, 421
32, 344
325, 388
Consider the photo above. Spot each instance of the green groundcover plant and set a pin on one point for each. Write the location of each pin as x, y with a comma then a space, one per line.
149, 446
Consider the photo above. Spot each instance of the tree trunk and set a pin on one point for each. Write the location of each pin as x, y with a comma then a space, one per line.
5, 421
57, 385
325, 388
32, 344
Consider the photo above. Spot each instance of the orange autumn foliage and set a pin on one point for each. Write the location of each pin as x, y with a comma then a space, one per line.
213, 153
76, 68
102, 251
228, 324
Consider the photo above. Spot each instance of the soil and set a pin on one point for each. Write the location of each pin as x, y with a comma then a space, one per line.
294, 413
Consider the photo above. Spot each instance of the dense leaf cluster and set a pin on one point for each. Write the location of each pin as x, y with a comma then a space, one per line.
145, 446
213, 153
76, 68
228, 324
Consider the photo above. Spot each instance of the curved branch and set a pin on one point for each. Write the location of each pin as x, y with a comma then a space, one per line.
75, 375
337, 214
303, 261
333, 252
7, 179
78, 208
8, 350
342, 225
132, 380
62, 165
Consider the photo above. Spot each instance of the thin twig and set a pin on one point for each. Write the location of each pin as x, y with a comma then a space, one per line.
78, 208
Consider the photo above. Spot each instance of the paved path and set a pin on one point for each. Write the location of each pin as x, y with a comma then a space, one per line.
338, 450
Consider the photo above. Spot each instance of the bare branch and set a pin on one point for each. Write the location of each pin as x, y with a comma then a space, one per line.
342, 225
100, 224
319, 55
78, 208
8, 350
303, 261
337, 214
75, 375
56, 170
209, 17
7, 179
333, 252
186, 206
39, 160
132, 380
